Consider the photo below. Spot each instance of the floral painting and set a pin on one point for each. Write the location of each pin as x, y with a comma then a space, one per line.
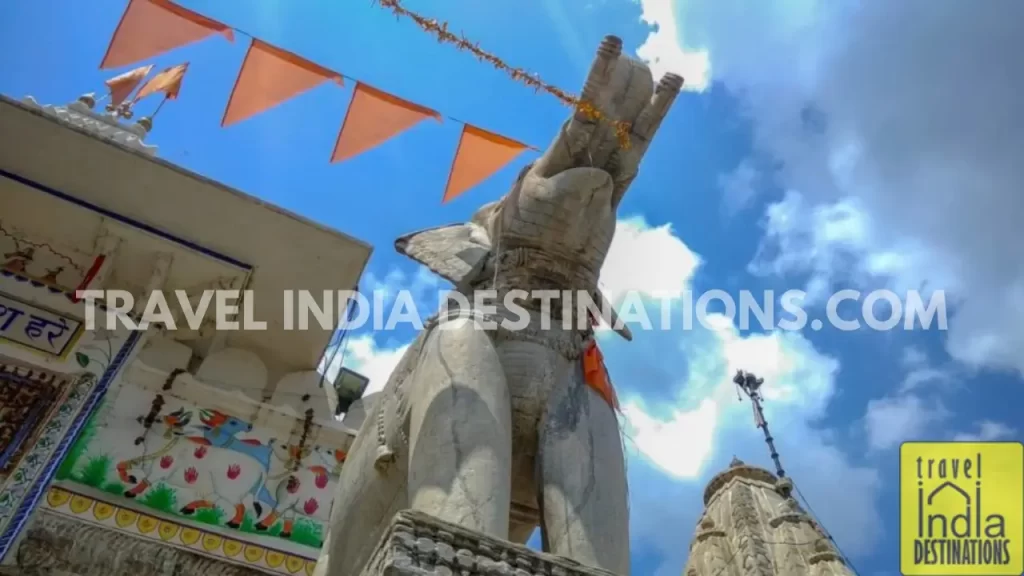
207, 467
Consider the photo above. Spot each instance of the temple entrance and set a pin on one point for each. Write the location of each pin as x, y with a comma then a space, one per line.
28, 398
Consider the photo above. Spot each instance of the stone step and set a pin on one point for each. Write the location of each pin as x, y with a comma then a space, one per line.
418, 544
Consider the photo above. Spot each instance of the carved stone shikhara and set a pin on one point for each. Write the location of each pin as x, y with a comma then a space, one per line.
58, 545
752, 526
417, 544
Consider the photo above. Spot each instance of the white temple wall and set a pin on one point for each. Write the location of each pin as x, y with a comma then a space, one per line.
171, 458
52, 374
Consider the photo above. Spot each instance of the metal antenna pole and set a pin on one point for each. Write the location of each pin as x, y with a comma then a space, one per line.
751, 385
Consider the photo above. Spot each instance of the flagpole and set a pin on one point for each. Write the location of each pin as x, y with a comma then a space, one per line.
158, 107
751, 385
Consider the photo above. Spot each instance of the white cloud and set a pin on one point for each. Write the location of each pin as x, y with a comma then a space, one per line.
906, 111
362, 354
988, 431
675, 450
922, 375
423, 287
739, 187
800, 384
836, 245
663, 52
651, 261
914, 357
893, 420
682, 419
659, 440
915, 409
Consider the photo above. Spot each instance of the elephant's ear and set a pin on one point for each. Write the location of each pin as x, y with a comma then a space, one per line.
457, 253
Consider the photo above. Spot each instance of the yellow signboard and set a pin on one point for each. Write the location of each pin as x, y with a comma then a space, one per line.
962, 508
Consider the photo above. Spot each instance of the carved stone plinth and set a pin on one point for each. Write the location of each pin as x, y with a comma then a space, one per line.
417, 544
58, 545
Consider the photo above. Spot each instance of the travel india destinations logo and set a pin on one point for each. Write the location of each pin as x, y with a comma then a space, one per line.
962, 508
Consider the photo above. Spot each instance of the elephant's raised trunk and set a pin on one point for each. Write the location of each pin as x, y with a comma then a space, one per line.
553, 230
600, 72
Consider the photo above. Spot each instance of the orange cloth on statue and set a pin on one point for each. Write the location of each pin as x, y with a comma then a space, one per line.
596, 375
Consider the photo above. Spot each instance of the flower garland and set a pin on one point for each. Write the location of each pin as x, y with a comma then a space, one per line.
443, 35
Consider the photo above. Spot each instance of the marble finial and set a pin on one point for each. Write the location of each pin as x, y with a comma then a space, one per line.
80, 114
88, 99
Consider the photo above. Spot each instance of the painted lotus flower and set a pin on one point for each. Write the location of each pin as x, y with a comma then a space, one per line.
321, 480
310, 506
233, 471
191, 475
166, 462
200, 452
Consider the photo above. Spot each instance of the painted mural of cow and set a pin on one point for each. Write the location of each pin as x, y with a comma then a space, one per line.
306, 492
221, 470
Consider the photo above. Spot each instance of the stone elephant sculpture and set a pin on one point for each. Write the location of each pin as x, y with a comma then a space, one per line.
495, 429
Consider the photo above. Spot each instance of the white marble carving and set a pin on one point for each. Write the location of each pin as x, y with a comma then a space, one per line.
105, 126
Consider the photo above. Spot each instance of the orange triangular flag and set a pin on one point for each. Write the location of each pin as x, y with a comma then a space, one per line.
122, 86
373, 117
152, 27
268, 77
480, 154
168, 82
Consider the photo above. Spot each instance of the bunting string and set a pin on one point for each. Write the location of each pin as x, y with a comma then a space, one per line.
445, 36
270, 75
374, 116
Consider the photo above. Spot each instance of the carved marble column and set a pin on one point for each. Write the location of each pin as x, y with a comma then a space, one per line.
417, 544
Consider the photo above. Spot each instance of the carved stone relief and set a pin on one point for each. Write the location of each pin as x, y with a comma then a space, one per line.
417, 544
55, 544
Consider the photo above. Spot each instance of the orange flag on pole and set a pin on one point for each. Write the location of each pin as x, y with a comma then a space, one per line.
373, 117
268, 77
122, 86
151, 27
168, 82
479, 155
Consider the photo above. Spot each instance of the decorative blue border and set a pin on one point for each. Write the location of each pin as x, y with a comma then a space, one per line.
124, 219
28, 504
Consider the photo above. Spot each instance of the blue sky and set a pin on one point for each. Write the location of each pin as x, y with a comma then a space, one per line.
809, 158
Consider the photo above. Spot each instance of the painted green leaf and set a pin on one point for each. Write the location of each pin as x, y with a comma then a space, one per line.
82, 359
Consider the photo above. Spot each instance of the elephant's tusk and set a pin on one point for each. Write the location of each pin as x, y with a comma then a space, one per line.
615, 323
623, 331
